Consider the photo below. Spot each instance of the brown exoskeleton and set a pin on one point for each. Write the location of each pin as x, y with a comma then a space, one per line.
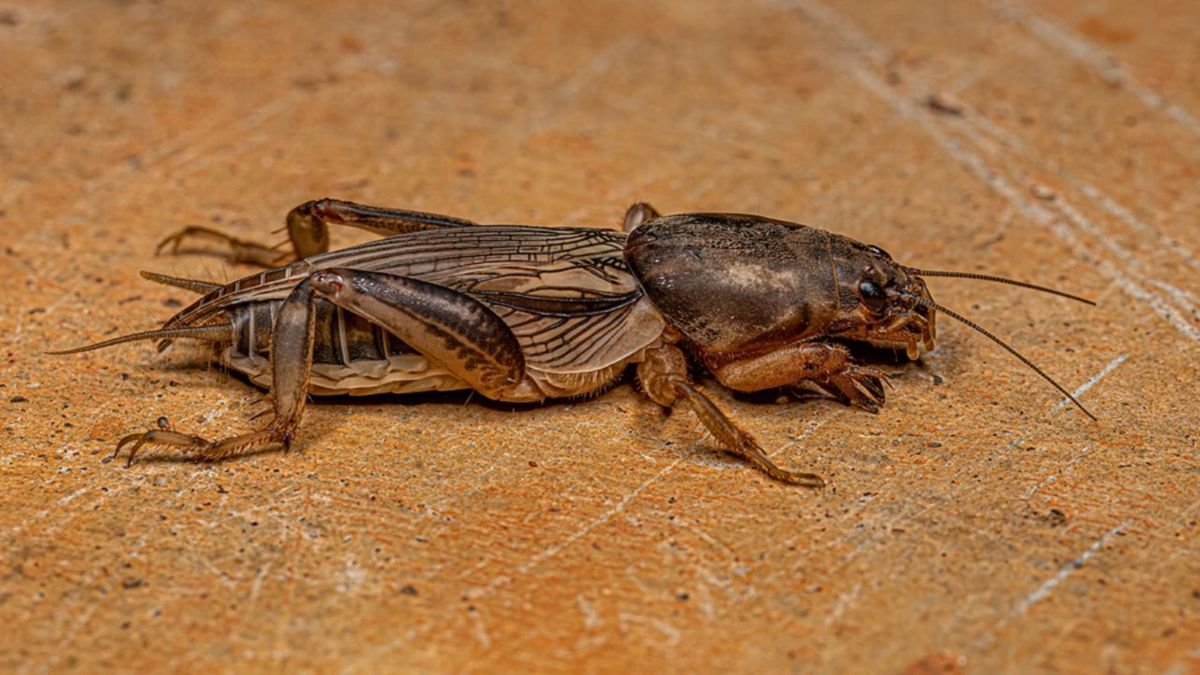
521, 313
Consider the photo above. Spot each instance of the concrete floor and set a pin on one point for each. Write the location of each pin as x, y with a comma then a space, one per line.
975, 524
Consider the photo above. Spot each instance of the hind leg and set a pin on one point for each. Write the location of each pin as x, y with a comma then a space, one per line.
308, 231
449, 328
291, 365
240, 250
452, 329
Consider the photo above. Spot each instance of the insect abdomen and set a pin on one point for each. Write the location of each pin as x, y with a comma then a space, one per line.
350, 354
341, 338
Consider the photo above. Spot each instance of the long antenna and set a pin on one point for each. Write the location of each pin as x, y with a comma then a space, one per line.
954, 315
1001, 280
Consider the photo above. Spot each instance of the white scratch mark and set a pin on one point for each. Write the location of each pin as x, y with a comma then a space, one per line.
480, 630
844, 600
670, 632
256, 586
1047, 587
1186, 666
69, 636
71, 497
704, 597
1034, 212
868, 52
1011, 143
1105, 65
858, 41
1054, 477
1182, 298
591, 618
372, 655
52, 307
1092, 382
705, 536
1126, 216
812, 426
218, 410
19, 329
1136, 267
1050, 584
603, 518
224, 577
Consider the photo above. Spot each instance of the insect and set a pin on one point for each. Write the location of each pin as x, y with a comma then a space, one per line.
521, 313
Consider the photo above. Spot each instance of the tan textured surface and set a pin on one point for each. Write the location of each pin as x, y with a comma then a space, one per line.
972, 524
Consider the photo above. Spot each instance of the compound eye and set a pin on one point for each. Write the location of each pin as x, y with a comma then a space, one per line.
872, 296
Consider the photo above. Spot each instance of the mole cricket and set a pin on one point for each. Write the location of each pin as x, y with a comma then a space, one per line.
521, 313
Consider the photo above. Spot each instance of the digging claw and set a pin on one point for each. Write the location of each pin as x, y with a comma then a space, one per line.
858, 386
874, 386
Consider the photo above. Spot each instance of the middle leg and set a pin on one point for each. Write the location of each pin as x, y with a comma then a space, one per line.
448, 327
637, 214
291, 366
663, 375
